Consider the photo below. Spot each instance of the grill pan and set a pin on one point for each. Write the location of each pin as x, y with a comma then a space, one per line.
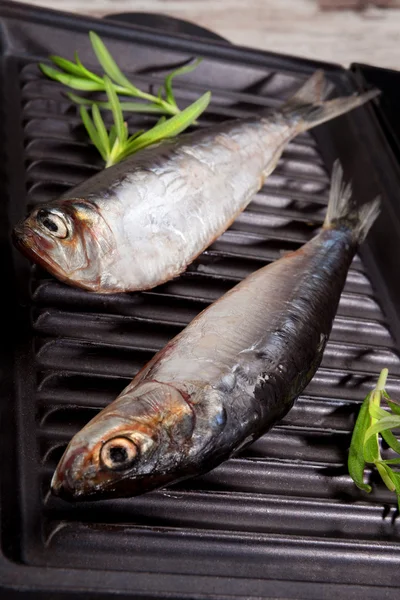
283, 520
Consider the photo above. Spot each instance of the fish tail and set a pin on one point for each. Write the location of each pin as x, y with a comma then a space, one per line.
342, 211
307, 107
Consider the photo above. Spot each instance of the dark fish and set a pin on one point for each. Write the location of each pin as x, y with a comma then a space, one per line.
228, 377
143, 221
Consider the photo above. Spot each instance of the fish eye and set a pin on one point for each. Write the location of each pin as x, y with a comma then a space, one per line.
53, 223
119, 454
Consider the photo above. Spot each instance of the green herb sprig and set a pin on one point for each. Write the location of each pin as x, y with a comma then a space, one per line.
374, 421
116, 144
76, 76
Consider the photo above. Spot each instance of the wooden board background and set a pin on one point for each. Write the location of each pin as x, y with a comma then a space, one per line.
296, 27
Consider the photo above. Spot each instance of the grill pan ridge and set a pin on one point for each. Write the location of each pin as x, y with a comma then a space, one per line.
281, 520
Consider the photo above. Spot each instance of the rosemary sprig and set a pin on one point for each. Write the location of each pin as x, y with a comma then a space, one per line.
373, 421
76, 76
116, 144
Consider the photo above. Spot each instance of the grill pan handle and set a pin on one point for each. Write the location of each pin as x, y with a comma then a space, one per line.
166, 24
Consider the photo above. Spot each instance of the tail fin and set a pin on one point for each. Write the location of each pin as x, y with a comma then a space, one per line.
342, 211
308, 109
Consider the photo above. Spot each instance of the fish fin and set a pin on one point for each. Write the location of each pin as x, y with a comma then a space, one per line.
342, 211
307, 107
311, 92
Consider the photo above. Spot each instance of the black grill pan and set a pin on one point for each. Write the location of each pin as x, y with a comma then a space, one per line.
283, 520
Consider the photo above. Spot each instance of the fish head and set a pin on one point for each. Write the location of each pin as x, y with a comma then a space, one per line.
135, 445
70, 239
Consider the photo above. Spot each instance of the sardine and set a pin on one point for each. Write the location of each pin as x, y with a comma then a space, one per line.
142, 222
228, 377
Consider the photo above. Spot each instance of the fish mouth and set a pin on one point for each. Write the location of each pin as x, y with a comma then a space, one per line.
63, 481
32, 244
72, 479
36, 247
73, 482
125, 487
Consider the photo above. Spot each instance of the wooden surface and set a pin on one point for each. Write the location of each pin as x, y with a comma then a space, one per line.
296, 27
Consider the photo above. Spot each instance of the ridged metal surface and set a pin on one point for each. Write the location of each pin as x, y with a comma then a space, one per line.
286, 498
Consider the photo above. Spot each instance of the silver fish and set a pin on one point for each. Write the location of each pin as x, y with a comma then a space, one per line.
142, 222
228, 377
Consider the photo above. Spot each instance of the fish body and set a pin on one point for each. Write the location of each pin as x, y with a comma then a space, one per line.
225, 379
143, 221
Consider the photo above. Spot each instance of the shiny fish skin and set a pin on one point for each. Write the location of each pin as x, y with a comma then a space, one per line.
226, 378
141, 222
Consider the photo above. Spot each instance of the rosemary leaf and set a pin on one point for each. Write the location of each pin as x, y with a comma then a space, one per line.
120, 127
109, 65
92, 132
101, 129
169, 95
76, 83
68, 66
